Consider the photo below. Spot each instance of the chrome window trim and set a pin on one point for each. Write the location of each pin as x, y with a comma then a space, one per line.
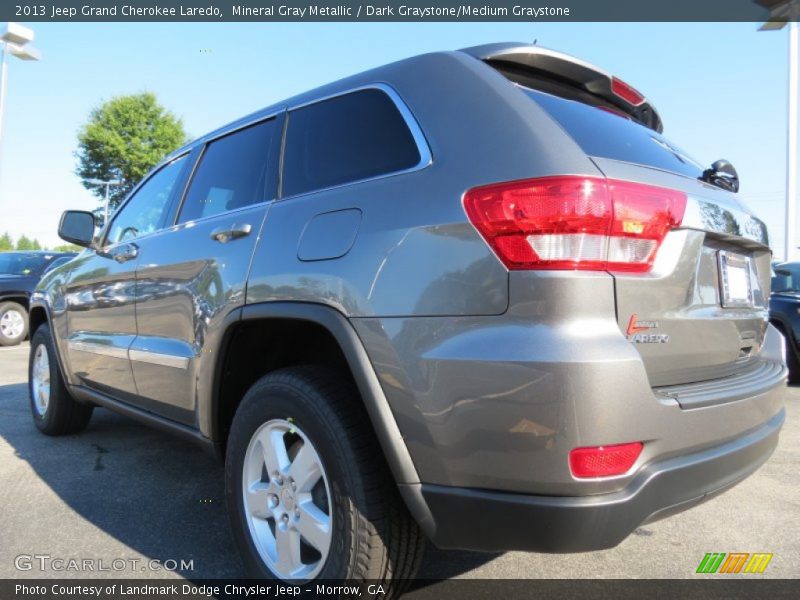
216, 135
425, 155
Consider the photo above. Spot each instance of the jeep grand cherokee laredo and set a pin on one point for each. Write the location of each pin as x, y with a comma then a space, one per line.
474, 296
19, 274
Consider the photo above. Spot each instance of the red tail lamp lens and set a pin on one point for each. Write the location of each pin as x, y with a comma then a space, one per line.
571, 222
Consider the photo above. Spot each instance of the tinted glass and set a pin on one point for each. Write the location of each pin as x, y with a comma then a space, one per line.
607, 135
15, 263
344, 139
232, 173
786, 278
143, 213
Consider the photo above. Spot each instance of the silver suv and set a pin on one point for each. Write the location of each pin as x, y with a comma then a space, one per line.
471, 296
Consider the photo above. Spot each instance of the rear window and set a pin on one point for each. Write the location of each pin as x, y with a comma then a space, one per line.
347, 138
606, 135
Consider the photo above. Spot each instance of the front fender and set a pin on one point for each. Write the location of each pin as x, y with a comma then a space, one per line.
42, 312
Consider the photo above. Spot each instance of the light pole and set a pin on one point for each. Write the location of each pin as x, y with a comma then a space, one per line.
108, 185
783, 12
791, 145
15, 40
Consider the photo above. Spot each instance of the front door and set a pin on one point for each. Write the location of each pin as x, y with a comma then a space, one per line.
192, 275
100, 292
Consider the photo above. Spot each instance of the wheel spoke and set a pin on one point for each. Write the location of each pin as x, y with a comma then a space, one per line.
274, 449
256, 498
305, 469
314, 525
287, 547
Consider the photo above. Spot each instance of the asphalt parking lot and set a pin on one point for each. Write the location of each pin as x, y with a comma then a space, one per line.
123, 491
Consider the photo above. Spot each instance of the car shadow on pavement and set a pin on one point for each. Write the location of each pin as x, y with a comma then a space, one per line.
139, 492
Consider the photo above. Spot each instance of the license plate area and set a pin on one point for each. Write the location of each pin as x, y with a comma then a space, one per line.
736, 288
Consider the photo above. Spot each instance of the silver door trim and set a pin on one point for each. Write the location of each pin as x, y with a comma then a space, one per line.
157, 358
101, 349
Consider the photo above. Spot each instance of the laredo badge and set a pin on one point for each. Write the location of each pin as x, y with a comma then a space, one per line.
636, 327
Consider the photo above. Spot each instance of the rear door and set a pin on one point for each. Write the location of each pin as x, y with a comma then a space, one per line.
701, 313
191, 276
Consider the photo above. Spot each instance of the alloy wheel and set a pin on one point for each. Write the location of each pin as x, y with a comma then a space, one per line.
287, 501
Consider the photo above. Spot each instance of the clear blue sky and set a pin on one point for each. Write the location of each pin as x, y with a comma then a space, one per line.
721, 89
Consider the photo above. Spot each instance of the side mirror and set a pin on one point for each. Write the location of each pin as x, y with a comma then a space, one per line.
722, 174
77, 227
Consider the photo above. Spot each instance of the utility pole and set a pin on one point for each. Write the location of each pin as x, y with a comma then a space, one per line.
783, 12
15, 40
791, 146
107, 185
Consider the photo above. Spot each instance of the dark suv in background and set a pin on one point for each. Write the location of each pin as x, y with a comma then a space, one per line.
475, 296
784, 312
19, 274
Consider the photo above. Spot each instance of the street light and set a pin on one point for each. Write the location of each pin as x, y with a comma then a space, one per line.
783, 12
15, 40
108, 185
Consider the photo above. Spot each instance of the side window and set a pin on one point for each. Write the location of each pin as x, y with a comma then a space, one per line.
232, 173
347, 138
143, 212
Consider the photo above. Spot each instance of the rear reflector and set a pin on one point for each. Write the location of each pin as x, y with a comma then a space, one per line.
572, 222
626, 92
604, 461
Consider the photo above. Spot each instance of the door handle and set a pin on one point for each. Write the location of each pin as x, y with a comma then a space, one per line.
125, 253
225, 234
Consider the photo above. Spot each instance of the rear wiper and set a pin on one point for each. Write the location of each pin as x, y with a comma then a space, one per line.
723, 175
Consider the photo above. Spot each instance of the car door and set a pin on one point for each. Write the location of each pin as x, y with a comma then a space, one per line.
100, 291
193, 274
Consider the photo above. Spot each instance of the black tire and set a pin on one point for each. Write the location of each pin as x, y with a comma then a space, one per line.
63, 415
374, 537
5, 309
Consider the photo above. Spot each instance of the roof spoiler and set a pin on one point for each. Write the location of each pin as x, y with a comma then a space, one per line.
573, 72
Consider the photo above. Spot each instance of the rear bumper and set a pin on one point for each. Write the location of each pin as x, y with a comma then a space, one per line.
473, 519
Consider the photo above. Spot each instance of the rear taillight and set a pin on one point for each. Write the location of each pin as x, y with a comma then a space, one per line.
572, 222
604, 461
626, 92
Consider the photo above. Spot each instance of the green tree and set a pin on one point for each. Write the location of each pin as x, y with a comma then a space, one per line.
6, 243
66, 248
25, 243
123, 139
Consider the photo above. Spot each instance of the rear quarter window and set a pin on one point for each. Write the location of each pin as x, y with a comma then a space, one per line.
606, 135
348, 138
